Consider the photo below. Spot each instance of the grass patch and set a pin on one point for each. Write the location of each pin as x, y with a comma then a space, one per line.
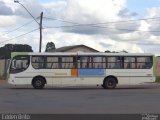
158, 79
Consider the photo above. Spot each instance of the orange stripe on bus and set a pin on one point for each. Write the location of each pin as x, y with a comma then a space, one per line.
74, 72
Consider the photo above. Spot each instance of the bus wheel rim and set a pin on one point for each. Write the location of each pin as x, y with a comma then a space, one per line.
38, 83
110, 83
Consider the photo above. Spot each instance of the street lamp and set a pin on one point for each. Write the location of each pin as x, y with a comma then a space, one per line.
40, 24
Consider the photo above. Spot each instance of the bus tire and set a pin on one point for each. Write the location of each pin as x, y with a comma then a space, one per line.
110, 83
38, 82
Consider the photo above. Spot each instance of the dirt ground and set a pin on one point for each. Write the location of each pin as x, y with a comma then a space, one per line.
3, 82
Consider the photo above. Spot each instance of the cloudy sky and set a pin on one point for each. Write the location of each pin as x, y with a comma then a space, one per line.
115, 25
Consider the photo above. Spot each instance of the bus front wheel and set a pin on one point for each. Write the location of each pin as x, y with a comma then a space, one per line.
38, 83
109, 83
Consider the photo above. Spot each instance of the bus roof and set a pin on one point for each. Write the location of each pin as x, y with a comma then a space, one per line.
118, 54
83, 54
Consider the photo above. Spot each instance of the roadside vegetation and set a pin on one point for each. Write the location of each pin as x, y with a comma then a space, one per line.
158, 79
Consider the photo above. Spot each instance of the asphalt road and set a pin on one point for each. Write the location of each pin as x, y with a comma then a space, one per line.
133, 99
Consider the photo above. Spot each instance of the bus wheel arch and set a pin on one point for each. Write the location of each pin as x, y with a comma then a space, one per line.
110, 82
38, 82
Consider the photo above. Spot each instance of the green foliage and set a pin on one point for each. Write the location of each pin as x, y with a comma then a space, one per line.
123, 51
50, 47
158, 79
5, 51
107, 51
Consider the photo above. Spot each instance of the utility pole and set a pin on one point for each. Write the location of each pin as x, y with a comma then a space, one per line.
40, 29
39, 24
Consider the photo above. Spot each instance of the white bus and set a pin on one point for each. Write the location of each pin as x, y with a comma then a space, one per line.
77, 69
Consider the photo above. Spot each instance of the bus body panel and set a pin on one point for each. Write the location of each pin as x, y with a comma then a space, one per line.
91, 72
79, 76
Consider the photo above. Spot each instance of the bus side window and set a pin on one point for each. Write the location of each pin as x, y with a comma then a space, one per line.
144, 62
113, 63
129, 62
68, 62
99, 62
85, 62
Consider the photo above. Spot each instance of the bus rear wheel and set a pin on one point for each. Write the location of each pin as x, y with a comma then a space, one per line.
109, 83
38, 83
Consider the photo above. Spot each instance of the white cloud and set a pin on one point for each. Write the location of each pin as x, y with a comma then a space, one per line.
7, 21
153, 24
54, 9
114, 37
120, 46
144, 26
100, 10
101, 43
4, 9
96, 11
32, 6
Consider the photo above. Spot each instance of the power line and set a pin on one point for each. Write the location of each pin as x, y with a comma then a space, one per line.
124, 29
13, 30
79, 24
19, 36
103, 27
98, 24
8, 32
60, 20
103, 22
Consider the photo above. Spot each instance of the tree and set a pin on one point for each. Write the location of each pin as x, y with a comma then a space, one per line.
107, 51
50, 47
124, 51
5, 51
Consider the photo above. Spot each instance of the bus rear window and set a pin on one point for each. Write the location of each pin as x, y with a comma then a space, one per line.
19, 64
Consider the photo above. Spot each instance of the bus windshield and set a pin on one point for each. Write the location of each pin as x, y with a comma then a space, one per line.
19, 64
